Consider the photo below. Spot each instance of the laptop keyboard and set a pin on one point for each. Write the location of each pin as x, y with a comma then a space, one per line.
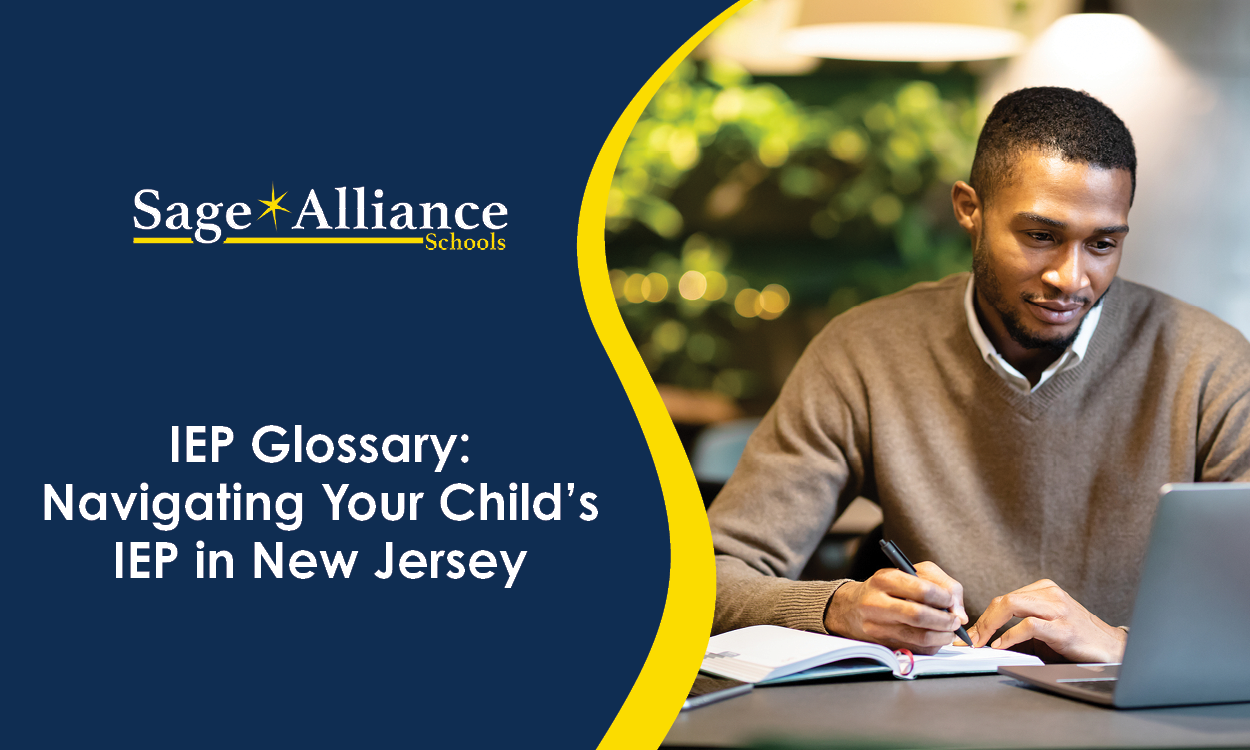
1105, 687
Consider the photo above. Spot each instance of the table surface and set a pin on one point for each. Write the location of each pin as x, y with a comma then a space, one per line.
980, 711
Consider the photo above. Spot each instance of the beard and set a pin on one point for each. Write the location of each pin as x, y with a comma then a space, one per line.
987, 284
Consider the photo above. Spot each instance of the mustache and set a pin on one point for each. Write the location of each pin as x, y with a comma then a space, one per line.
1062, 299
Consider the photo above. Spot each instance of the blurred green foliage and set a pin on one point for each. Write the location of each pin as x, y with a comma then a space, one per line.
832, 201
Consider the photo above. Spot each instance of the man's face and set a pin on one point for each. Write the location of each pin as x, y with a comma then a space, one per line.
1047, 247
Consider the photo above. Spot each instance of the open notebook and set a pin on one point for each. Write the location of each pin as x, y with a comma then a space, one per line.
767, 654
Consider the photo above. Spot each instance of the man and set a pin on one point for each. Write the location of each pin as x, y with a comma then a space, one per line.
1015, 426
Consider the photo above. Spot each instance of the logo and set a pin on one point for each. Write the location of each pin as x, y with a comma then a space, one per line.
401, 223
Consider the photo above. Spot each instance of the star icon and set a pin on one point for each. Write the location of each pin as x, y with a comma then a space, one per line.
274, 208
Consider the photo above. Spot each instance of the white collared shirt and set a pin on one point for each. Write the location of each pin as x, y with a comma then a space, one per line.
1070, 358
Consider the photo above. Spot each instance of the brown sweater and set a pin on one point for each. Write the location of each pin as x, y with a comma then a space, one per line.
893, 401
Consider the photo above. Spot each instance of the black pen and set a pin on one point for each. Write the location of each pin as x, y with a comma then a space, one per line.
901, 562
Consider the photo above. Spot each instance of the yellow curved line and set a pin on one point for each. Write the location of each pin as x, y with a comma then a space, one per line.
679, 643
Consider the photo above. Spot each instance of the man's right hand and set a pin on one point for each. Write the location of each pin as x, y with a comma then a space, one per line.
899, 610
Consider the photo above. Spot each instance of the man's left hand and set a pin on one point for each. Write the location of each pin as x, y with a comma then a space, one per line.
1052, 616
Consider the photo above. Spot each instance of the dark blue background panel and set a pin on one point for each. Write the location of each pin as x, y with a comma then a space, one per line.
108, 344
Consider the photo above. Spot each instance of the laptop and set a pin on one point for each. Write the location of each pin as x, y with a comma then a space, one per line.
1187, 643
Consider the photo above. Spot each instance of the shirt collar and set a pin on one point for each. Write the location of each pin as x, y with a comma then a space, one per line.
1071, 357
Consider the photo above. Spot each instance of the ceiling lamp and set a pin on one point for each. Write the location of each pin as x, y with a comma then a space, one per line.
908, 30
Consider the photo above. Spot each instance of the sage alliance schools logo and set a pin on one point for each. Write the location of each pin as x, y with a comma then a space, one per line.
396, 224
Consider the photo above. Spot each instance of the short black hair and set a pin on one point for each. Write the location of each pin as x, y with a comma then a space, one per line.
1072, 124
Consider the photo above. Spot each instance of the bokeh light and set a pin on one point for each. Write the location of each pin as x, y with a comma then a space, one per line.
774, 299
632, 289
729, 185
848, 145
717, 285
747, 303
693, 285
886, 209
657, 287
669, 336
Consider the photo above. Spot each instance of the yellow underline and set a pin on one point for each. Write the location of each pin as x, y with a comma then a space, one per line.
325, 240
288, 240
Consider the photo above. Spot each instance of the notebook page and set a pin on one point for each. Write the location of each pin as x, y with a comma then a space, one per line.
964, 659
